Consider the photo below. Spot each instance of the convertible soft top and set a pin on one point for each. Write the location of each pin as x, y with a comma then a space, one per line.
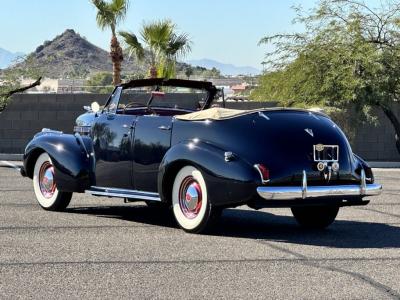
206, 85
218, 113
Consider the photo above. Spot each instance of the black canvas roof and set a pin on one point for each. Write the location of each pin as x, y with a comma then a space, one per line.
206, 85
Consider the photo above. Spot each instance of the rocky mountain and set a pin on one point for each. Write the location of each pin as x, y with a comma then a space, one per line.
71, 55
7, 58
226, 69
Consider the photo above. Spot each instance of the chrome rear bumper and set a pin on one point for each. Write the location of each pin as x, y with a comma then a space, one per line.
304, 192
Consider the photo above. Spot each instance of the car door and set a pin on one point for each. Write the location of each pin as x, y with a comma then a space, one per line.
152, 140
112, 140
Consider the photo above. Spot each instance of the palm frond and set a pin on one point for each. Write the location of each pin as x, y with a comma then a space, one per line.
157, 34
134, 47
179, 45
104, 16
109, 14
119, 8
162, 44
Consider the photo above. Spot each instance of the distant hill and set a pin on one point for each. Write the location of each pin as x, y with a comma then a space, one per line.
7, 58
226, 69
71, 55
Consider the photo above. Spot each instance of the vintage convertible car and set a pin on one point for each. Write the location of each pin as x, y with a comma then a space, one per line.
167, 143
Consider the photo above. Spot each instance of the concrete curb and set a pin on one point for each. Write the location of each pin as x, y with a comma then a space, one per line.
384, 164
11, 157
373, 164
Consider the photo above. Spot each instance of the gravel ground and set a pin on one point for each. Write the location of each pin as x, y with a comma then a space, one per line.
104, 248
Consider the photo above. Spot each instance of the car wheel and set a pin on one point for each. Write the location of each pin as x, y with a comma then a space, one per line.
191, 207
317, 217
45, 187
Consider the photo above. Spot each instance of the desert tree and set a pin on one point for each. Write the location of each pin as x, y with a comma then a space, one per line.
347, 56
189, 71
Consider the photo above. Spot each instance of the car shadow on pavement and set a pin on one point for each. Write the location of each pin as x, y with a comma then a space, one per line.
250, 224
341, 234
134, 213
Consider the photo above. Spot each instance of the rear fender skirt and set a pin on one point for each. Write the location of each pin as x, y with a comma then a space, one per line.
72, 157
229, 179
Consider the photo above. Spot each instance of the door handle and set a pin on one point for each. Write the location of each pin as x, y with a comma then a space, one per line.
163, 127
128, 126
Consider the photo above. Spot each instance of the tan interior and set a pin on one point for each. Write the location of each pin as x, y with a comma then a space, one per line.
218, 113
215, 113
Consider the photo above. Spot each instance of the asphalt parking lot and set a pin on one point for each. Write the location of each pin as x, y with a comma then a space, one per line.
104, 248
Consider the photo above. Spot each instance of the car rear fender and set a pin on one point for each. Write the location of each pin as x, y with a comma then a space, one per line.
72, 157
362, 164
229, 179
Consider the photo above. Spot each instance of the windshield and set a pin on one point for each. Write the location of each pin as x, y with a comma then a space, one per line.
163, 97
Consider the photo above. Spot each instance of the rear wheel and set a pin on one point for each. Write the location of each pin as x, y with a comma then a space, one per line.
316, 217
191, 207
45, 187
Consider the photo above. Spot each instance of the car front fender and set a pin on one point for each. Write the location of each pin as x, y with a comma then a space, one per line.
72, 157
230, 180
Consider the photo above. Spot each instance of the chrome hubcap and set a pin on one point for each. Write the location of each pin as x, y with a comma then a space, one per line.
46, 180
190, 197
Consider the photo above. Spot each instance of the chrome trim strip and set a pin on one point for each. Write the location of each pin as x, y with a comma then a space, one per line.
261, 114
363, 187
81, 143
124, 190
304, 191
123, 193
47, 130
304, 185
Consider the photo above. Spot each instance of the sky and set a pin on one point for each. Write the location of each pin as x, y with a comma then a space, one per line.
224, 30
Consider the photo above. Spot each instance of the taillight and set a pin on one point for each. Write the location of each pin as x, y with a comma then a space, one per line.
264, 172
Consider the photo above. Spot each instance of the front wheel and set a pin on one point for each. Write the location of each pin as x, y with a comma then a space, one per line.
191, 207
316, 217
45, 187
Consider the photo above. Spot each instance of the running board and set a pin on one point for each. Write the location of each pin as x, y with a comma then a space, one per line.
122, 193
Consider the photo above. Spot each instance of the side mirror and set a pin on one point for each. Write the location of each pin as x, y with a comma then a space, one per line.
95, 107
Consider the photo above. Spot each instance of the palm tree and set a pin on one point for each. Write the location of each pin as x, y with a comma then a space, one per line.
109, 14
160, 47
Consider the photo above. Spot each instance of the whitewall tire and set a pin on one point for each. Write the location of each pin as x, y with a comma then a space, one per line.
191, 207
45, 187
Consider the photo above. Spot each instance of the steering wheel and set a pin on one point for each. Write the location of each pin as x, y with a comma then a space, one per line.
132, 104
